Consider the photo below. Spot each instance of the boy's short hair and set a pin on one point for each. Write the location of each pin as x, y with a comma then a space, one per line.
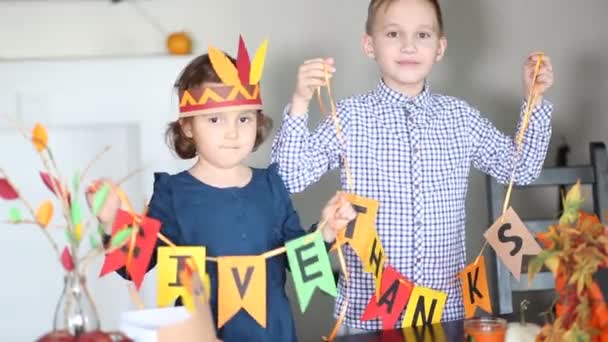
375, 5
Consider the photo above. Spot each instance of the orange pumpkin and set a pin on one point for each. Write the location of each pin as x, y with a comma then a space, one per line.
179, 43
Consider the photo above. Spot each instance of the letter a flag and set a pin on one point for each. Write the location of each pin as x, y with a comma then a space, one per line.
394, 294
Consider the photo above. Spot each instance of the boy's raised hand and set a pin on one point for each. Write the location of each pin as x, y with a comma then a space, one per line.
336, 215
544, 79
311, 75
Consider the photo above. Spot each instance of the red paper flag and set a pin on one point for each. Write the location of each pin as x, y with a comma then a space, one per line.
7, 191
145, 241
395, 291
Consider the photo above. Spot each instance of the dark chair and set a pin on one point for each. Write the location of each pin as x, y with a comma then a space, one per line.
594, 174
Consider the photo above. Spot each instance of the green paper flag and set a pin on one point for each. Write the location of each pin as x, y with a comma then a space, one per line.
310, 267
14, 215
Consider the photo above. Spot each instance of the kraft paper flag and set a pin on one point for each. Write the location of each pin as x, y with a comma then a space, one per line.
424, 307
310, 267
394, 294
172, 261
242, 284
475, 291
360, 232
145, 241
374, 261
511, 240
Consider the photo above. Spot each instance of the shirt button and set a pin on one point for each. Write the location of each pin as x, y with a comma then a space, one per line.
244, 236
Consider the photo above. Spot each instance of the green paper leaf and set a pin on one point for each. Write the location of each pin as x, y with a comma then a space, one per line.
76, 213
310, 267
14, 215
100, 198
94, 242
76, 182
120, 237
68, 237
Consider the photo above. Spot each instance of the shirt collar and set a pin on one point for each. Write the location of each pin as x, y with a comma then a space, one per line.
390, 96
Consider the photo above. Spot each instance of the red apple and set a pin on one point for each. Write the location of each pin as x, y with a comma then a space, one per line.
57, 336
95, 336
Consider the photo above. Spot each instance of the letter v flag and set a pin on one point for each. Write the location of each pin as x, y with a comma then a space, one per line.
475, 291
142, 245
310, 267
242, 284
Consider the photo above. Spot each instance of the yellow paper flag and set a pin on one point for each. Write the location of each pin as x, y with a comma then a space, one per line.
242, 284
424, 307
374, 261
171, 261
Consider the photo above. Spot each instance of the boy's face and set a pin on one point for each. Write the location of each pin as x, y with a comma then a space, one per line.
405, 42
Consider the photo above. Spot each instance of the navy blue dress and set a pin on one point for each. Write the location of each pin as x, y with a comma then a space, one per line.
234, 221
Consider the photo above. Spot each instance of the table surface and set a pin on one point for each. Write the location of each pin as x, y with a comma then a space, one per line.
447, 331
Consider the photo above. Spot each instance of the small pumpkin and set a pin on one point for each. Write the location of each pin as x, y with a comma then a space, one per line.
179, 43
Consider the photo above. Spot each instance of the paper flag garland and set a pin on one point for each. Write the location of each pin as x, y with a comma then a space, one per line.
310, 267
511, 240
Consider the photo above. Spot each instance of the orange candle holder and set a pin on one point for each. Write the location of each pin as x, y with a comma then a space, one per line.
485, 329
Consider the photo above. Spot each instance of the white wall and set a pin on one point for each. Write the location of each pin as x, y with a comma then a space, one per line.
487, 43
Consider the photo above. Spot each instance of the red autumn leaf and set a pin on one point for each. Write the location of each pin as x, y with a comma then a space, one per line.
47, 181
66, 260
7, 191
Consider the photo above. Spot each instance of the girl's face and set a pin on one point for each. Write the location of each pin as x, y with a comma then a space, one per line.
223, 139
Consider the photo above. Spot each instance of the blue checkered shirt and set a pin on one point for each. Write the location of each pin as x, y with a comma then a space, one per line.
413, 155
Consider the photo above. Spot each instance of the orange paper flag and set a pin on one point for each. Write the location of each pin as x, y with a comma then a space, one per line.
511, 240
475, 291
242, 284
360, 232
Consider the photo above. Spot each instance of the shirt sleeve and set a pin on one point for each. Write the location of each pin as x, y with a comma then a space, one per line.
496, 154
303, 157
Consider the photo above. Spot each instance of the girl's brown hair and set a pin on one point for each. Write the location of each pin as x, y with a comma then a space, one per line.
201, 71
375, 5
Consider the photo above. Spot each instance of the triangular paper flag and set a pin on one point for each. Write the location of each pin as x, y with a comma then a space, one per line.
242, 284
394, 294
511, 240
310, 267
424, 307
360, 232
145, 242
172, 261
475, 291
375, 259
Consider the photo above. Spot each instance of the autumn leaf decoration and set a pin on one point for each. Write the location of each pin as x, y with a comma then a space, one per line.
575, 249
